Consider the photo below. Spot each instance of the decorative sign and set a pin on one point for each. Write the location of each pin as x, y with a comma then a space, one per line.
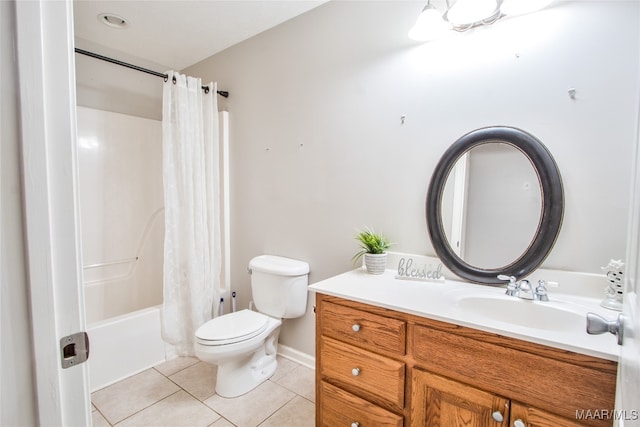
407, 270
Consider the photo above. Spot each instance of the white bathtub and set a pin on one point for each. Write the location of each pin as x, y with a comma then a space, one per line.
122, 217
125, 345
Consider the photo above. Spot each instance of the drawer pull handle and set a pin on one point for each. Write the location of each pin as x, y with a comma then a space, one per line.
355, 372
355, 424
497, 416
519, 423
355, 327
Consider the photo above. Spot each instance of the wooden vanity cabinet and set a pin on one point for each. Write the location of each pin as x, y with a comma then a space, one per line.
379, 367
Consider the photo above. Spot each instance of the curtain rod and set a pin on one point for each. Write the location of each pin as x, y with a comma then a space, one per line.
222, 93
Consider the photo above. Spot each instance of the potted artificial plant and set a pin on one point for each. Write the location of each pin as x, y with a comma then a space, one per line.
374, 248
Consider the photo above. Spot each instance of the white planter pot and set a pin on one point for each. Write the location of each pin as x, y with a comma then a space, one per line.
375, 263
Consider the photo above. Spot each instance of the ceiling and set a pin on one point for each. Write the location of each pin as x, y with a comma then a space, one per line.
180, 33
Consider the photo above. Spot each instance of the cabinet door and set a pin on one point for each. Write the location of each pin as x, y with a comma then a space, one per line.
523, 416
437, 401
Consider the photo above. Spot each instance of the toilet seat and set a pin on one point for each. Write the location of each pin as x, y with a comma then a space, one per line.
232, 328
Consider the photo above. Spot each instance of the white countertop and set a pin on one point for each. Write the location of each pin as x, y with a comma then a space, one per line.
441, 301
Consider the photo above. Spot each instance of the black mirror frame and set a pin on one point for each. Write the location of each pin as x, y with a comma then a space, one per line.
552, 204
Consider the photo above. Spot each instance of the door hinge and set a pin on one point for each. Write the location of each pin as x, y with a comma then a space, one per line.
74, 349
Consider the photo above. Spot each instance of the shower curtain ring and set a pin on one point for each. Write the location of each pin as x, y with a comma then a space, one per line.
174, 80
166, 77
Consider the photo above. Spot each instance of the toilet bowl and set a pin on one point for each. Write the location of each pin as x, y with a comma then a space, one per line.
244, 344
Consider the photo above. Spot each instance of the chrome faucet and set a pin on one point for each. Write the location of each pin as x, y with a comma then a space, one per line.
523, 289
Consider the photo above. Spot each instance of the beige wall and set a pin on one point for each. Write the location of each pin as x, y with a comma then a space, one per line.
318, 148
17, 393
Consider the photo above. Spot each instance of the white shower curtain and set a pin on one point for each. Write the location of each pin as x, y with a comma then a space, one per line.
192, 244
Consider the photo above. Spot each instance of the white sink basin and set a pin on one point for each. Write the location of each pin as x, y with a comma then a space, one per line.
550, 315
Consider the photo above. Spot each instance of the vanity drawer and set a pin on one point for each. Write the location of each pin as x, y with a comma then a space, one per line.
340, 408
371, 331
362, 371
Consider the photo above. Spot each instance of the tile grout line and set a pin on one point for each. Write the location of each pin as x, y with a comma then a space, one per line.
180, 388
179, 370
274, 412
190, 394
145, 408
101, 414
195, 397
290, 389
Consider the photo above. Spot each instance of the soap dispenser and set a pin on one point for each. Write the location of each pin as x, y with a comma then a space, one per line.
614, 289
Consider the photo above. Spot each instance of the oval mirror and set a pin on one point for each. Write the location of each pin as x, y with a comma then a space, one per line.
494, 204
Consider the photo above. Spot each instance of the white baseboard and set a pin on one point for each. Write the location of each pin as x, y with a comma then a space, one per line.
297, 356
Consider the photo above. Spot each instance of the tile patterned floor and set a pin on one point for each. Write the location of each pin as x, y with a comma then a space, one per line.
181, 392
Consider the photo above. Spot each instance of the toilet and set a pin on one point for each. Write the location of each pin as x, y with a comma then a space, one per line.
244, 343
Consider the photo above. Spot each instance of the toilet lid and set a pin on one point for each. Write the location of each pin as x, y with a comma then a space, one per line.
233, 327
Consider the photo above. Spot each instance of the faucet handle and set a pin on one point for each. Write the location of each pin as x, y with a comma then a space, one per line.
506, 277
541, 291
512, 286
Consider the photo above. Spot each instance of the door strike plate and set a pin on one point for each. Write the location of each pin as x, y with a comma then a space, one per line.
74, 349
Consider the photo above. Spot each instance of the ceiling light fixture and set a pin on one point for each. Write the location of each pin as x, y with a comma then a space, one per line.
466, 13
430, 24
462, 15
113, 21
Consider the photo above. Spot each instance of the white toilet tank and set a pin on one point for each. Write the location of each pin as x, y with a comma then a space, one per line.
279, 285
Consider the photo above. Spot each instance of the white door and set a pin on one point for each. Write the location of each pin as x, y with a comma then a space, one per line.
48, 109
628, 384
